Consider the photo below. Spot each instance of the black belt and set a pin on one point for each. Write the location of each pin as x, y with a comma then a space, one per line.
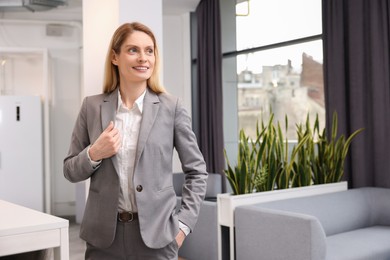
127, 216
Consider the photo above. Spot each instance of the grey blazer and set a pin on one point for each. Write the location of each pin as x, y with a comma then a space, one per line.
165, 125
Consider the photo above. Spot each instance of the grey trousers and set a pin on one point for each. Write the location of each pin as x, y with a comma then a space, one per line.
128, 245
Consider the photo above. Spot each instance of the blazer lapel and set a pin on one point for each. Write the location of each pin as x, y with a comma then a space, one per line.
150, 109
108, 108
108, 113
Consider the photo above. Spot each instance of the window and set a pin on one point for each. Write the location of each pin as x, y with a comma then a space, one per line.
279, 62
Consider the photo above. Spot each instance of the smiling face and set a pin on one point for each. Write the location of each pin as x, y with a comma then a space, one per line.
136, 58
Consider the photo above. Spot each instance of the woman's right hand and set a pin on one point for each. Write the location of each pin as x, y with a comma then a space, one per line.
106, 145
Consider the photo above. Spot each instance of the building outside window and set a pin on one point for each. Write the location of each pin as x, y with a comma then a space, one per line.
279, 62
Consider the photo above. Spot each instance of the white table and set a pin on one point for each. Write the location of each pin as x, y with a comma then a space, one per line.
24, 230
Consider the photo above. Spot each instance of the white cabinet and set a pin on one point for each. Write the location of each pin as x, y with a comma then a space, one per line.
21, 151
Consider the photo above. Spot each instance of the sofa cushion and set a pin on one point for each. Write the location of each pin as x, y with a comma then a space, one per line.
361, 244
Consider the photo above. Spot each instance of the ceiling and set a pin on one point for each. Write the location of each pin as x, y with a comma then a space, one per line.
179, 6
73, 11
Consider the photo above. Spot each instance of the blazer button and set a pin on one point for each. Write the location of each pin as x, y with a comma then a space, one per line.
139, 188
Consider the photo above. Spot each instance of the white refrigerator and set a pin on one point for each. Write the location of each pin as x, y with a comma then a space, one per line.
21, 151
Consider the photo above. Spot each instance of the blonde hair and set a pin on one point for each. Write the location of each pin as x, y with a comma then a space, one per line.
111, 73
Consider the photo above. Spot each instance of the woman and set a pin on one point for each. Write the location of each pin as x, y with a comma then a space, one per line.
123, 141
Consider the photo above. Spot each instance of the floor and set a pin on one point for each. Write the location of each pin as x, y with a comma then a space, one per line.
76, 245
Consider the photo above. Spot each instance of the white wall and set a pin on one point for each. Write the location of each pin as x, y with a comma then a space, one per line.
96, 38
177, 62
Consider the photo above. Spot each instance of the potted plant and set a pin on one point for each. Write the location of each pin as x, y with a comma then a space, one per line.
266, 171
263, 164
327, 161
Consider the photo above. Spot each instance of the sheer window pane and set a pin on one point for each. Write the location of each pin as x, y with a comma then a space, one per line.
287, 80
272, 21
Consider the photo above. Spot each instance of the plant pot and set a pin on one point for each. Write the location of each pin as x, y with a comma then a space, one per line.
226, 203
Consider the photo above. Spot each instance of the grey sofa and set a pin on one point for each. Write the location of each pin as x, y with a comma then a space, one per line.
353, 224
202, 244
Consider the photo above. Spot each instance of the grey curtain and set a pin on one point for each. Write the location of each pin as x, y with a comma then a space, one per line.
356, 37
209, 87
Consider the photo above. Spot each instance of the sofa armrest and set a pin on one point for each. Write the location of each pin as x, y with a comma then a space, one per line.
274, 234
202, 243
